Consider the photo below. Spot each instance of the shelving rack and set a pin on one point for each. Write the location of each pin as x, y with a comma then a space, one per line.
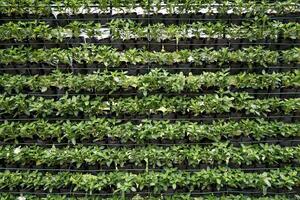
125, 99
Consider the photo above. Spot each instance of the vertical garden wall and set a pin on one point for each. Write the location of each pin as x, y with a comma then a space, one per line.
127, 99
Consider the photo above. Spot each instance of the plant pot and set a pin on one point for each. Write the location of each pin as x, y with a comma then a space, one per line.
289, 93
295, 142
35, 69
197, 16
170, 19
169, 45
208, 118
235, 43
275, 92
62, 19
184, 44
46, 68
284, 42
211, 42
156, 116
129, 44
222, 42
48, 44
285, 142
197, 43
141, 43
118, 44
105, 41
169, 116
262, 93
103, 18
236, 68
20, 68
89, 16
185, 68
155, 46
36, 44
210, 17
211, 67
130, 16
235, 19
132, 71
246, 43
143, 20
156, 18
184, 18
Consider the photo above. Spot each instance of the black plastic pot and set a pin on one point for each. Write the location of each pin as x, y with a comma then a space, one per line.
197, 17
184, 18
211, 42
118, 44
184, 44
236, 68
169, 45
143, 20
288, 93
90, 16
129, 44
222, 42
20, 68
47, 69
155, 46
235, 19
185, 68
141, 43
62, 19
157, 18
157, 116
295, 142
210, 17
130, 15
197, 43
35, 68
132, 70
235, 43
48, 44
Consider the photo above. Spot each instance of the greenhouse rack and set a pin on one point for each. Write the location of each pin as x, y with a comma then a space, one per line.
286, 15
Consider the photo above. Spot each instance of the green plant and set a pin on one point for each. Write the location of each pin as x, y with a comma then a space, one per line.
251, 8
155, 80
73, 105
146, 131
7, 196
157, 182
110, 57
151, 156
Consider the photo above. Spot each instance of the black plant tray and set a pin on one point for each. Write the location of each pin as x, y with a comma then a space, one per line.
96, 168
197, 192
64, 19
185, 68
167, 45
54, 92
108, 142
232, 115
